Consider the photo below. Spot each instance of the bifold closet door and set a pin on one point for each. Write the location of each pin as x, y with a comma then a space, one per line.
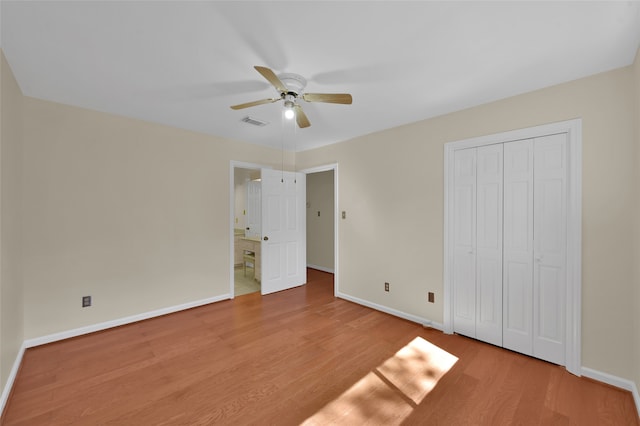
464, 258
535, 229
518, 246
489, 244
478, 243
550, 248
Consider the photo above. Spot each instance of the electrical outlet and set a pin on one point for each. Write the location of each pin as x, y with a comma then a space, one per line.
431, 297
386, 286
86, 301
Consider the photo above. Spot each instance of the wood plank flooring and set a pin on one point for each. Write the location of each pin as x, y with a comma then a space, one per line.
298, 357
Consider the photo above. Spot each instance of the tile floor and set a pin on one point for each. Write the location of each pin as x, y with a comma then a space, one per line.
245, 285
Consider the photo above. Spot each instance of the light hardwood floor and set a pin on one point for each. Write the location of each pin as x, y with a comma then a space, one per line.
298, 356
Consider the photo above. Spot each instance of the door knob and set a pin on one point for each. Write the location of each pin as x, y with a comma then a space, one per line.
266, 238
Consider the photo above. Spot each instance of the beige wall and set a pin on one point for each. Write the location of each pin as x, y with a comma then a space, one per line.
391, 186
11, 298
132, 213
320, 229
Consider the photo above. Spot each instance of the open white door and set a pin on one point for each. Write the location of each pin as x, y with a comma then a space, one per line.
284, 245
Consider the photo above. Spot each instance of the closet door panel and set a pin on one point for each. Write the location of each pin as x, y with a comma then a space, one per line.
549, 277
489, 244
518, 246
518, 299
464, 257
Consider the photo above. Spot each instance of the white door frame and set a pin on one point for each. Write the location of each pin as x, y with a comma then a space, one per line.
233, 164
325, 168
573, 128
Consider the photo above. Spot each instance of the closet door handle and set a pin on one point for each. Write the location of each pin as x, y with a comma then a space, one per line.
266, 238
539, 258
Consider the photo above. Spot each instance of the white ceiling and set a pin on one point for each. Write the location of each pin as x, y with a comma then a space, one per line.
184, 63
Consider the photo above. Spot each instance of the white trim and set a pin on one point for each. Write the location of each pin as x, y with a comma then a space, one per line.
447, 318
233, 164
6, 391
573, 128
413, 318
336, 221
320, 268
616, 381
573, 354
120, 321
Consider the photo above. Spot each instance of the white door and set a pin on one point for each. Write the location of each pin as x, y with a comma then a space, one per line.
518, 247
549, 250
464, 243
477, 276
541, 240
535, 238
509, 273
489, 244
283, 230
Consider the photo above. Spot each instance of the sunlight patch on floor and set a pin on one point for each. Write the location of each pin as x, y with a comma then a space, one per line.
388, 394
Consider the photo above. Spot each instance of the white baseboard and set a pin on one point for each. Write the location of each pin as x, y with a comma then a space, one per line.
321, 268
12, 377
414, 318
121, 321
612, 380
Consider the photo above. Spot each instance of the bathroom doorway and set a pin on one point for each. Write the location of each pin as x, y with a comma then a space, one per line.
246, 230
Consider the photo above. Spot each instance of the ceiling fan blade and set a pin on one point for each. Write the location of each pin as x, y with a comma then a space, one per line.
301, 117
334, 98
272, 78
254, 103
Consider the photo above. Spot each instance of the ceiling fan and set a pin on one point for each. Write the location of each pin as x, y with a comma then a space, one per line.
291, 86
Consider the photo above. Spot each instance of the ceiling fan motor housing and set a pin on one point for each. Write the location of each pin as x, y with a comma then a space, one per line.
289, 99
295, 83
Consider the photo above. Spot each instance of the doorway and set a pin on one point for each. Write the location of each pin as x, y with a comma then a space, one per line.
246, 230
322, 220
277, 250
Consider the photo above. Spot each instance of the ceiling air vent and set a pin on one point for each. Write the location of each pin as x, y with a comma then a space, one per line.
254, 121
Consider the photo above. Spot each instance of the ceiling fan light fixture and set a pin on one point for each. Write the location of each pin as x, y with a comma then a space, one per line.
288, 109
289, 114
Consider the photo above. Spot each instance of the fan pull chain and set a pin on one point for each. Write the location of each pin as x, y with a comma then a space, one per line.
282, 143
